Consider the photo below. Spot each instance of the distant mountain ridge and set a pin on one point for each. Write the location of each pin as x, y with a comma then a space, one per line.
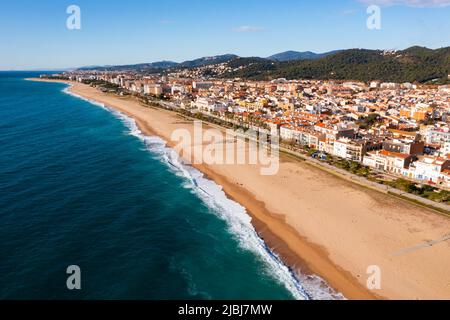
208, 61
415, 64
296, 55
205, 61
136, 67
158, 66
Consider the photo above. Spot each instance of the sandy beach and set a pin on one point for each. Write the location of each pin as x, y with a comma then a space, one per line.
323, 224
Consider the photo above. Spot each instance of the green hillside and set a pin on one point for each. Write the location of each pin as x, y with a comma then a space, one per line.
415, 64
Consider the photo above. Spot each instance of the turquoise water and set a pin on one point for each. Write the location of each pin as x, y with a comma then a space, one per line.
79, 185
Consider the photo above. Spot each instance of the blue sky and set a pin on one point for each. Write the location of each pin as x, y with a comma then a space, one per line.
34, 35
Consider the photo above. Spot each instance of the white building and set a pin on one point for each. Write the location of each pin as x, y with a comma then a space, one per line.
445, 150
202, 85
340, 149
287, 133
437, 135
153, 89
391, 162
177, 88
428, 169
209, 105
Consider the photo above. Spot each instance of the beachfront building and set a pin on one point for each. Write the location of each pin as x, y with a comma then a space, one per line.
353, 150
325, 147
444, 181
153, 89
287, 133
428, 169
301, 136
405, 146
340, 148
392, 162
209, 105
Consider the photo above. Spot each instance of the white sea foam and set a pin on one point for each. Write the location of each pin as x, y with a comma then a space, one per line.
98, 104
239, 222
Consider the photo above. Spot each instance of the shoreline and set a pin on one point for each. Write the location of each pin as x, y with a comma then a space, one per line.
296, 249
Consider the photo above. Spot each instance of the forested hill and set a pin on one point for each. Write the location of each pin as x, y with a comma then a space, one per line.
416, 64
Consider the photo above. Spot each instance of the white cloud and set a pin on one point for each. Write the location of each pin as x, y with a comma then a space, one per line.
248, 29
410, 3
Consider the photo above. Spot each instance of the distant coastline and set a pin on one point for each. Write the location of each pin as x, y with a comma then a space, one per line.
311, 237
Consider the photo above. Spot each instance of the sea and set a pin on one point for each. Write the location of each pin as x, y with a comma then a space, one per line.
81, 185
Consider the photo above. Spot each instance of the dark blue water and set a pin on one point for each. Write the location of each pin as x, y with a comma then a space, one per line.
76, 188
